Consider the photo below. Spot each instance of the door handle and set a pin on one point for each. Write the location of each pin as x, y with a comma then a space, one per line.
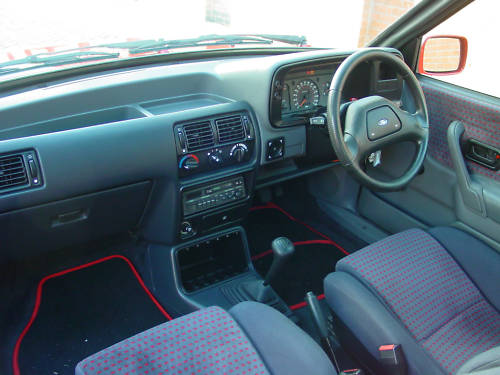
472, 193
483, 154
70, 217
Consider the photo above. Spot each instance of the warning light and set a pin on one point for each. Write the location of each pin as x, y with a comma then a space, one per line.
310, 72
498, 156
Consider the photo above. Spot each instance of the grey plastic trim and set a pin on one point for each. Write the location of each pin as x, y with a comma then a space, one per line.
493, 242
361, 227
472, 193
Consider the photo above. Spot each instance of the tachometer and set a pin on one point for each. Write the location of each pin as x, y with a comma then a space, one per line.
305, 95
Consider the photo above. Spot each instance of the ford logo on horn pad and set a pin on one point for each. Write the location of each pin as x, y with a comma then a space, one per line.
382, 122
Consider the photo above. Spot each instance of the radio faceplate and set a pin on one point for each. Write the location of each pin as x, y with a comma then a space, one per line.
213, 195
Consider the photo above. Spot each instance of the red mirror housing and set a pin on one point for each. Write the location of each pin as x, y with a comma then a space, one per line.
442, 55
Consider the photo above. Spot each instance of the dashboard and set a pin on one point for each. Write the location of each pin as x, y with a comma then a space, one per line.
158, 148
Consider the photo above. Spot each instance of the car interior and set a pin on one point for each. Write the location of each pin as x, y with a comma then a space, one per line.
281, 211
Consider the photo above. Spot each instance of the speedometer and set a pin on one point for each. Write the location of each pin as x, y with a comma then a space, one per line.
305, 95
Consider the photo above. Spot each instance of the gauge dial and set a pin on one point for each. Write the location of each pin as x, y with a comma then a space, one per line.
305, 95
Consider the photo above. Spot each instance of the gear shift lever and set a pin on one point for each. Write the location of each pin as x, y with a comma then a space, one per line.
283, 249
261, 291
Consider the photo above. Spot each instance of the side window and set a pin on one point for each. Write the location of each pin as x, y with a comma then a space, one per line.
463, 51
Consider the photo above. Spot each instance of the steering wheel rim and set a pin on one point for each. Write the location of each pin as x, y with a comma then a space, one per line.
365, 133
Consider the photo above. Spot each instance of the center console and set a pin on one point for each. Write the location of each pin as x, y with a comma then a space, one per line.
217, 269
217, 158
211, 261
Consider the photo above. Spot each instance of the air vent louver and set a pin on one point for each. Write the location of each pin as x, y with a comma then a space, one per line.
12, 172
199, 135
230, 129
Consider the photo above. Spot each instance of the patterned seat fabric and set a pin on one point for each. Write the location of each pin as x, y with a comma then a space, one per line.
207, 341
430, 294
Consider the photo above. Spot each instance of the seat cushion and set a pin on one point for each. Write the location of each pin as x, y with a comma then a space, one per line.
213, 341
421, 285
207, 341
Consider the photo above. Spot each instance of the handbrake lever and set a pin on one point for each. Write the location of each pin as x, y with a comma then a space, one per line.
321, 325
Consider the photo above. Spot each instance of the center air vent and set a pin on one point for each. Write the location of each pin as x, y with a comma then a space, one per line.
230, 129
199, 135
12, 172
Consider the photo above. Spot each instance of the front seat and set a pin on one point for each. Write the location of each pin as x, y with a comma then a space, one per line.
251, 338
435, 293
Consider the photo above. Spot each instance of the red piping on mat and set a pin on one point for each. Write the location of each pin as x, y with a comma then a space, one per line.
38, 300
327, 241
276, 207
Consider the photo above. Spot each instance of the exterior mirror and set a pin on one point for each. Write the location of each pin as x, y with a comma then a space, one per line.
442, 55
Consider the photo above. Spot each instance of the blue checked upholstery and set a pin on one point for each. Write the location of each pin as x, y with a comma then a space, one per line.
424, 288
213, 341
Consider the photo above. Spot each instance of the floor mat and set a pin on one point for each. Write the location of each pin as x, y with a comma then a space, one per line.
81, 311
315, 257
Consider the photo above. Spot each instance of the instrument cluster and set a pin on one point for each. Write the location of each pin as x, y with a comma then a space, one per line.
300, 92
307, 90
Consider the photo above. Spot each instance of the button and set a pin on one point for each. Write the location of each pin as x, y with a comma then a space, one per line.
317, 120
381, 122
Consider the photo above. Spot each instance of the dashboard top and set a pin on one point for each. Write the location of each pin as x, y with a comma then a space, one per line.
116, 129
58, 117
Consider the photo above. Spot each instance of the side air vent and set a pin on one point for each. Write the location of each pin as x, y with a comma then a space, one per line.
199, 135
230, 129
12, 172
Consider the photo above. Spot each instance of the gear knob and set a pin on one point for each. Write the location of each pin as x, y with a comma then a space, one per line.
283, 249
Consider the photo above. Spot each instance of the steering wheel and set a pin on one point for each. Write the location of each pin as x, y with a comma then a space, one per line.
375, 122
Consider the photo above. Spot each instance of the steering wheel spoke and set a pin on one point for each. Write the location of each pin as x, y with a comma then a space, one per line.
415, 127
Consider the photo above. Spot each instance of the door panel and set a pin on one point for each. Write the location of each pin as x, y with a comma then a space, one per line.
436, 197
479, 114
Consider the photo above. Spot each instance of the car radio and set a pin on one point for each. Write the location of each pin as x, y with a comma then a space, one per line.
214, 195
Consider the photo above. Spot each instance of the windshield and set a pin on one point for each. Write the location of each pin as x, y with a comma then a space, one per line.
43, 36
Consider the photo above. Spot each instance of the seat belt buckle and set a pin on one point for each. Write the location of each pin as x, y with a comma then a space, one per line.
393, 359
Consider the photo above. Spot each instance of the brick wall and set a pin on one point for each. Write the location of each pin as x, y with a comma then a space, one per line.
378, 14
441, 55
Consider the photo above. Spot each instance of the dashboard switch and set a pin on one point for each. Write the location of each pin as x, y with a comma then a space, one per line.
33, 169
187, 230
215, 157
238, 152
275, 148
317, 120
